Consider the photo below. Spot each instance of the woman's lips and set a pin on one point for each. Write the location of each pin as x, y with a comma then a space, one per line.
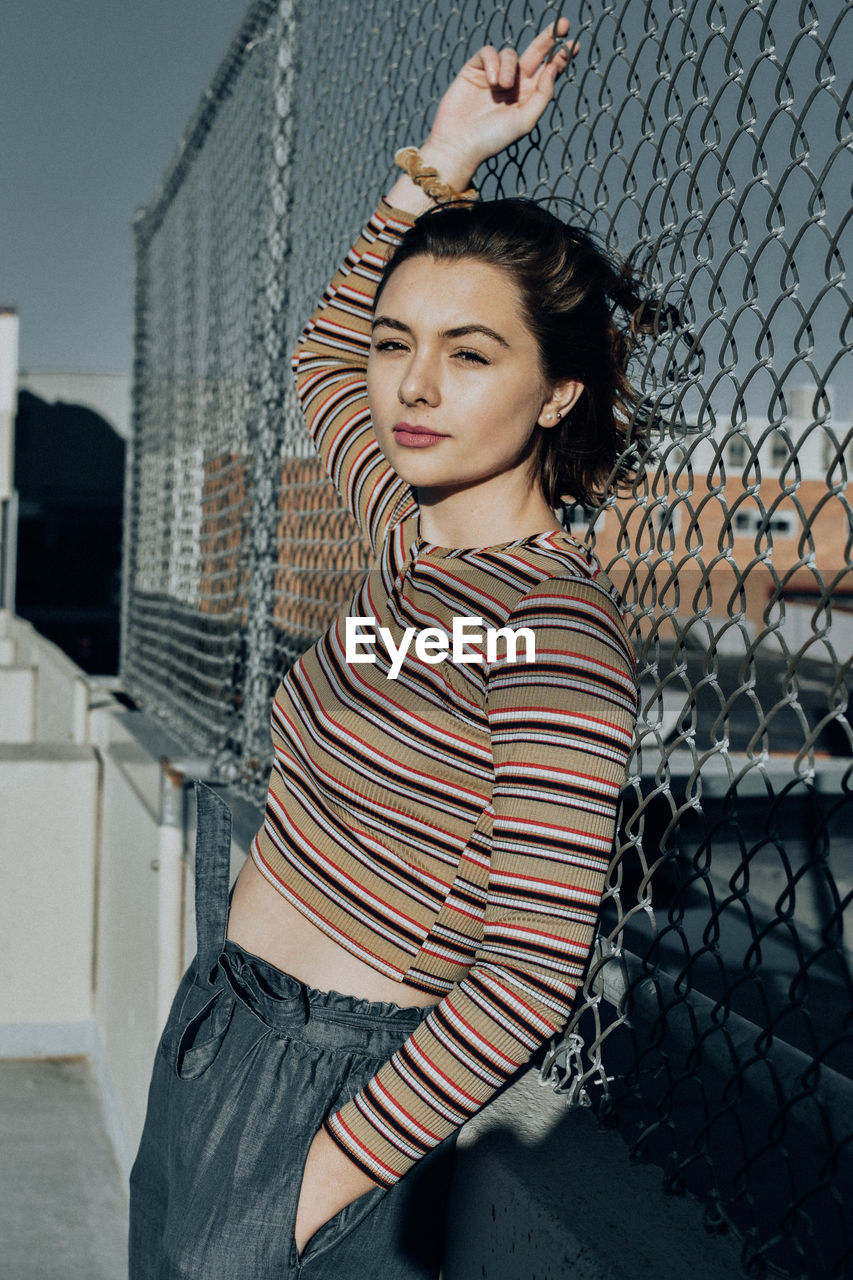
415, 437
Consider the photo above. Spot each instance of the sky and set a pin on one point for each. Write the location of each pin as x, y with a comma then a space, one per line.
94, 95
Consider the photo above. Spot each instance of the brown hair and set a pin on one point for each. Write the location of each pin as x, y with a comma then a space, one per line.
572, 291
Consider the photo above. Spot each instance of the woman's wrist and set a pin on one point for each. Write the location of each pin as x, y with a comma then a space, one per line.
330, 1181
454, 169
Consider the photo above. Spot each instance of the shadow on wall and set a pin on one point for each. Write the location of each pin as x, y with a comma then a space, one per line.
69, 474
542, 1191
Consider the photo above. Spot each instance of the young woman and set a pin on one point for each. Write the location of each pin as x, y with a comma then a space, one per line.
417, 910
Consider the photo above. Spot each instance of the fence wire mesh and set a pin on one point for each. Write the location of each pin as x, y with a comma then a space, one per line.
710, 142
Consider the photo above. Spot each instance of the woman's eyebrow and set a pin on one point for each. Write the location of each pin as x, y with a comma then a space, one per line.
392, 324
460, 331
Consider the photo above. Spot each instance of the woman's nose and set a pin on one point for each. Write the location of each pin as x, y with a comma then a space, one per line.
419, 384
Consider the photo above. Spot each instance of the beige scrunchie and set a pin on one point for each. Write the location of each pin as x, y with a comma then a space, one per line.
409, 159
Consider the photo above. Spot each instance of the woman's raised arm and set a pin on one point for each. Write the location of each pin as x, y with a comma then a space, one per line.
330, 371
495, 99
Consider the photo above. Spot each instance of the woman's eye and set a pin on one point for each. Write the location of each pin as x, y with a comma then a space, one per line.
471, 357
387, 344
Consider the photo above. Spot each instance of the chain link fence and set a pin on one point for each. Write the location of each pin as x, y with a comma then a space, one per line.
710, 142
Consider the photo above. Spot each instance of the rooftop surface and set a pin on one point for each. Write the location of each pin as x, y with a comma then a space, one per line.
63, 1203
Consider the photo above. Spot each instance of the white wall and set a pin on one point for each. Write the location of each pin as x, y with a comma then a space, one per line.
797, 630
8, 499
126, 1007
93, 860
58, 688
8, 377
48, 814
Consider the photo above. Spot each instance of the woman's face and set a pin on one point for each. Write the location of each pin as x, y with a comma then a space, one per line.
452, 355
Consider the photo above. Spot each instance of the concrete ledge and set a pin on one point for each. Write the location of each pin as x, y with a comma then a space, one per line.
123, 1150
25, 753
48, 1039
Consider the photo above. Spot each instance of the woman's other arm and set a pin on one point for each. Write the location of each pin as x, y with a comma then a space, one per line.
561, 732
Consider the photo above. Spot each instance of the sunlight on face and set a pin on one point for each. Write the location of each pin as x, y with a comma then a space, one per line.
452, 355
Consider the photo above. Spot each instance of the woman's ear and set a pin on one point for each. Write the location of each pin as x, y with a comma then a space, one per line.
563, 397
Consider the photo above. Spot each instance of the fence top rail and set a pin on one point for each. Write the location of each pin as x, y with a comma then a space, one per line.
148, 218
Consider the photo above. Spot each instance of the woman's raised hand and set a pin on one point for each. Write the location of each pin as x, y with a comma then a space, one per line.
496, 98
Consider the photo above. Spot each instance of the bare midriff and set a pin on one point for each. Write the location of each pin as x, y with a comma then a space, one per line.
264, 923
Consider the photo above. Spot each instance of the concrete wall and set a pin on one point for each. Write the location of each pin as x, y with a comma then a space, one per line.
48, 815
8, 499
126, 1006
58, 691
540, 1192
92, 909
98, 901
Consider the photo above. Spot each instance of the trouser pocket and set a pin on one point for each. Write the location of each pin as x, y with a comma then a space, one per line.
390, 1233
339, 1227
196, 1026
394, 1233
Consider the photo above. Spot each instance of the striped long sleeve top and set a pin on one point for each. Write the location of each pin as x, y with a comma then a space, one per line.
452, 824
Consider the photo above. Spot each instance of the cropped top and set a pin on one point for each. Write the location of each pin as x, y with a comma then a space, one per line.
450, 824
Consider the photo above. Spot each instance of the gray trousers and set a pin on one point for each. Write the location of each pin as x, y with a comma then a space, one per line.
249, 1063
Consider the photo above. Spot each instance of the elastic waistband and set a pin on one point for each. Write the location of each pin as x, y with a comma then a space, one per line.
324, 1019
284, 998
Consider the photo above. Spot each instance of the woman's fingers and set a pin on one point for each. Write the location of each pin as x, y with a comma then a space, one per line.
508, 68
495, 99
561, 59
501, 68
488, 60
540, 46
543, 90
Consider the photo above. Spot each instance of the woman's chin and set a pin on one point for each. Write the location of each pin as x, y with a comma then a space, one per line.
415, 469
